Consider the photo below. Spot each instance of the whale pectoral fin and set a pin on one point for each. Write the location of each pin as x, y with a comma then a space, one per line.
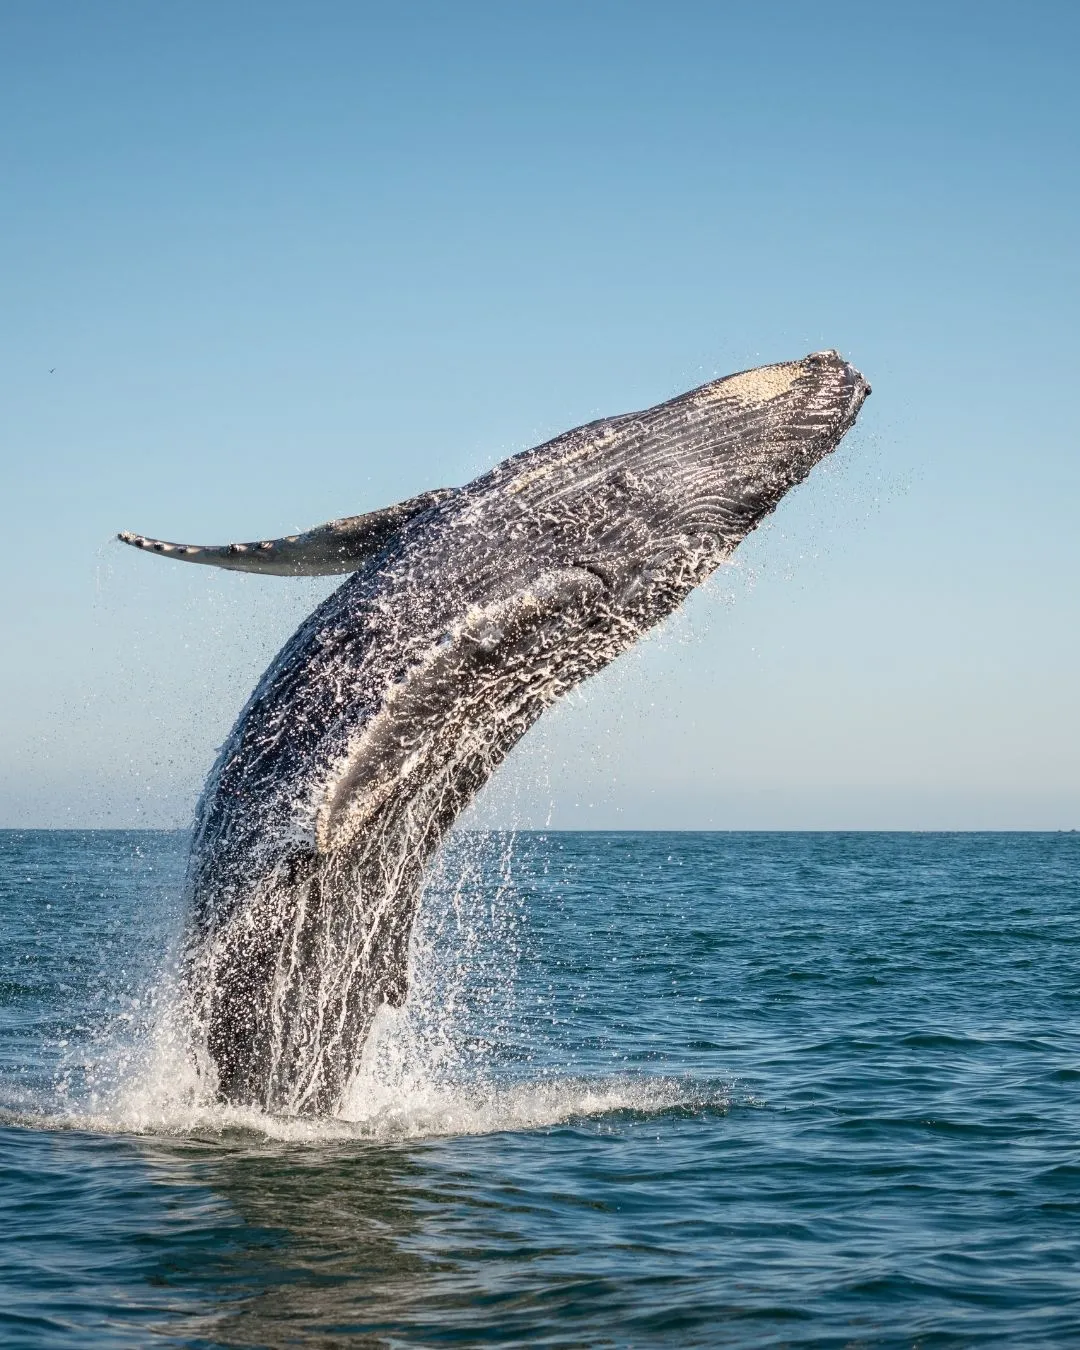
337, 546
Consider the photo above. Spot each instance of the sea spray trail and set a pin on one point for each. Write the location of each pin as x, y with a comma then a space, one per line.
795, 1090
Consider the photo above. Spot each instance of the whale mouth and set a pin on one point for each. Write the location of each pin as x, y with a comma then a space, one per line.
856, 385
849, 391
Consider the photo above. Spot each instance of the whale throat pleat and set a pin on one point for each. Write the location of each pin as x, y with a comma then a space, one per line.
338, 546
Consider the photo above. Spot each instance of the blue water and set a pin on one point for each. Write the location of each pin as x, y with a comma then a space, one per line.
649, 1089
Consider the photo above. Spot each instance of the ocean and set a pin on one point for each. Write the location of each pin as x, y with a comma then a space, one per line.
648, 1089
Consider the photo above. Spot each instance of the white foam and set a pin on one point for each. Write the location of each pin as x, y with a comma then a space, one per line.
418, 1079
421, 1111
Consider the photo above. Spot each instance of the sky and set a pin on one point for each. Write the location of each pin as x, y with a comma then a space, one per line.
264, 264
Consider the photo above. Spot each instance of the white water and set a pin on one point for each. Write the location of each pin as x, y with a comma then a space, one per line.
435, 1067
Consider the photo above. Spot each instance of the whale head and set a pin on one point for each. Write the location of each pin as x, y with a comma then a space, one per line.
653, 501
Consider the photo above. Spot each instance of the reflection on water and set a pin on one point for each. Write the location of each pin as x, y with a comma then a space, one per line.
446, 1240
318, 1244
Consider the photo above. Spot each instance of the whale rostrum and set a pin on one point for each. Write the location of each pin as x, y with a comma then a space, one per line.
468, 612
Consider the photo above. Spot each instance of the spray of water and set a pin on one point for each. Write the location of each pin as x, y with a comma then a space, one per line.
455, 1058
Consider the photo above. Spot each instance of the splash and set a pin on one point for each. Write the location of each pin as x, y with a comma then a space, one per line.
404, 1112
467, 614
455, 1059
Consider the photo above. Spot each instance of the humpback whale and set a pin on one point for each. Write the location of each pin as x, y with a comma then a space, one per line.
467, 612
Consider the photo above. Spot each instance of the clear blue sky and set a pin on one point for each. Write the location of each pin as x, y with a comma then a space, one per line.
264, 264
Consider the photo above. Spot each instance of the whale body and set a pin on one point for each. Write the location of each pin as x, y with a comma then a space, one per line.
466, 614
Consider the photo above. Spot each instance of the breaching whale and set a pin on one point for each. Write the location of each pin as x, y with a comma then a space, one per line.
468, 612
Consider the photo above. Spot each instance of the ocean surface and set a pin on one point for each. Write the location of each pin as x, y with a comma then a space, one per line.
647, 1090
